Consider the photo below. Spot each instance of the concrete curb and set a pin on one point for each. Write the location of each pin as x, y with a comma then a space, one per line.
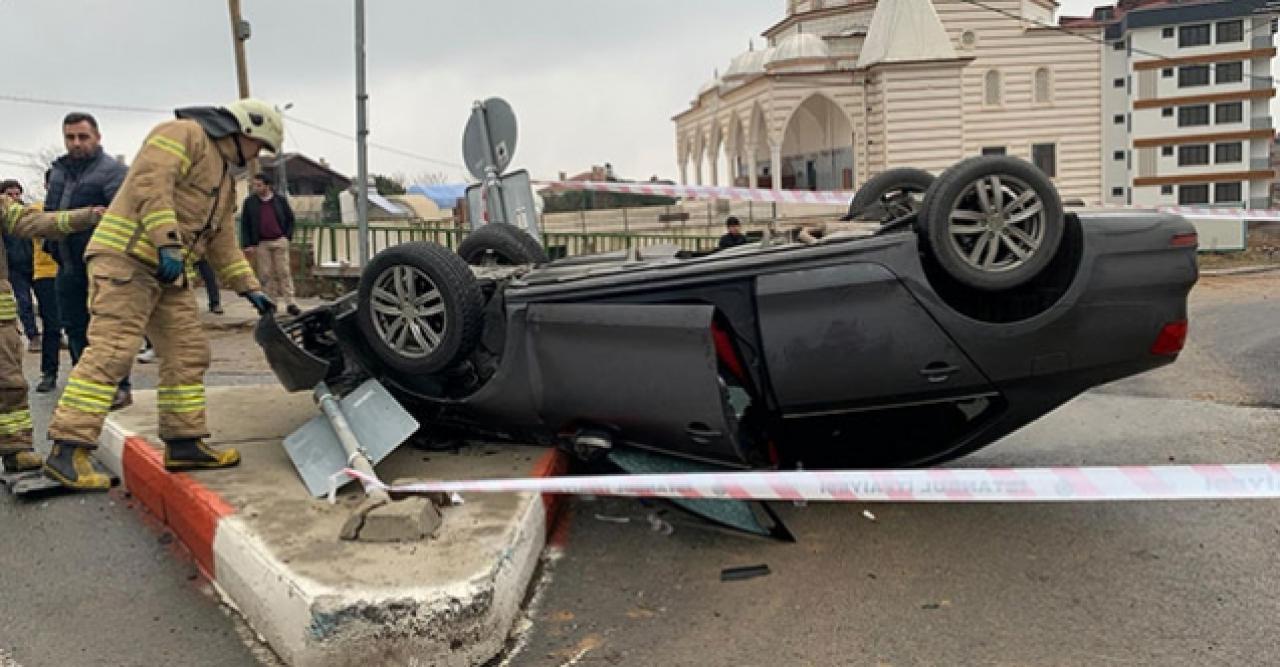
307, 622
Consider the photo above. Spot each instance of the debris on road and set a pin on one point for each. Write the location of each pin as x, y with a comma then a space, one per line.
745, 572
612, 519
868, 515
659, 525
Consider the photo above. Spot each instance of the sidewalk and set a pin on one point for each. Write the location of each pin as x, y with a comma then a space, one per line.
238, 312
273, 552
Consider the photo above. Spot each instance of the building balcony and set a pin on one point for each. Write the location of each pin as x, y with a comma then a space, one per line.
1262, 123
1262, 82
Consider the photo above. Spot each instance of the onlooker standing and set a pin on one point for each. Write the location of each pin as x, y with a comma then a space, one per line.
733, 235
43, 279
266, 226
18, 253
210, 279
85, 176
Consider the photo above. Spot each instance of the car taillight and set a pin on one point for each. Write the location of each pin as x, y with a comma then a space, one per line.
1171, 339
1184, 240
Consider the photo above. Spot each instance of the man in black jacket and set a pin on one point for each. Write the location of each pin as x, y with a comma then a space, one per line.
85, 176
266, 226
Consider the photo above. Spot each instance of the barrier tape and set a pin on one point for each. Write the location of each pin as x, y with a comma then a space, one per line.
842, 198
932, 485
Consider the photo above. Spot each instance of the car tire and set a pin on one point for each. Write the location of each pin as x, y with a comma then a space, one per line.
890, 195
501, 244
446, 319
992, 222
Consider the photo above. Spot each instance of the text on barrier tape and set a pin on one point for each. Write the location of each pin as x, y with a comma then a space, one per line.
842, 198
933, 485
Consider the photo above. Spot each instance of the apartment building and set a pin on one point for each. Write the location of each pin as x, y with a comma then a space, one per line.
1187, 91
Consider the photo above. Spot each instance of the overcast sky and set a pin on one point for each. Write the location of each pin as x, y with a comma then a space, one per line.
592, 81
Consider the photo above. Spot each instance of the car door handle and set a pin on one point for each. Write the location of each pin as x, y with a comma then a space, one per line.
702, 434
938, 372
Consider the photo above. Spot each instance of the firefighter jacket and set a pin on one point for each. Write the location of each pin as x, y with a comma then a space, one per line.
26, 222
178, 193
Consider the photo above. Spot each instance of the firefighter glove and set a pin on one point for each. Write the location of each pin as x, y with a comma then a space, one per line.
170, 268
261, 301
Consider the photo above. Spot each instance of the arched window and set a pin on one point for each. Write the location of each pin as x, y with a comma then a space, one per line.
991, 88
1043, 86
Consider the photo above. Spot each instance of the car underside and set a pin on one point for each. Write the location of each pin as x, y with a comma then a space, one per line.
825, 348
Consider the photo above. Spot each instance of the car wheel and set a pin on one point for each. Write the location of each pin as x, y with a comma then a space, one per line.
890, 195
500, 244
419, 308
993, 222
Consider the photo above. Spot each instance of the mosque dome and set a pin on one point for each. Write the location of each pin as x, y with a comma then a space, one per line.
800, 46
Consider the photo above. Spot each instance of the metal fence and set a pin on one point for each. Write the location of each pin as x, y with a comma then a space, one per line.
338, 245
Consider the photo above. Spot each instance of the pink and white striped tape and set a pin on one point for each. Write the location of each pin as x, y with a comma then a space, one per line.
842, 198
933, 485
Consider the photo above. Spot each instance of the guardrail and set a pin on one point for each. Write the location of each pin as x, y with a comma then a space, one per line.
336, 244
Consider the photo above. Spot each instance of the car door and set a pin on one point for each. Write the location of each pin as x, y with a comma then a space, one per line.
850, 336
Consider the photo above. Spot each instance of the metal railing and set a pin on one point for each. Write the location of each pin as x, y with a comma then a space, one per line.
338, 245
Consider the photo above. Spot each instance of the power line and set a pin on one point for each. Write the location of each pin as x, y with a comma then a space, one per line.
11, 151
389, 149
83, 105
1159, 57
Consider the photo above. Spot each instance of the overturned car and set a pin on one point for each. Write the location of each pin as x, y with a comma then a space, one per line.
977, 306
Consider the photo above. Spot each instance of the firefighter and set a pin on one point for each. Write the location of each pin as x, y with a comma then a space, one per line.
175, 208
21, 221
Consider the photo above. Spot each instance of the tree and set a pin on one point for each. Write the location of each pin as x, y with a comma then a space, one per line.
387, 185
332, 207
433, 178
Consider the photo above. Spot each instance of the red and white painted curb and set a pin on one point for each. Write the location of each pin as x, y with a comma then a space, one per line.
842, 197
930, 485
288, 609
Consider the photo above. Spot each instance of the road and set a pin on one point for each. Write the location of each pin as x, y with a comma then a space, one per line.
1072, 584
1136, 583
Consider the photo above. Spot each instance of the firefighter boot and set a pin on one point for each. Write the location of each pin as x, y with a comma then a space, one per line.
194, 454
21, 461
72, 466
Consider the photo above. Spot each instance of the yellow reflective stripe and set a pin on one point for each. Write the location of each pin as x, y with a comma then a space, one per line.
86, 397
155, 219
8, 306
15, 422
107, 391
64, 222
116, 236
12, 215
173, 147
180, 398
234, 270
75, 403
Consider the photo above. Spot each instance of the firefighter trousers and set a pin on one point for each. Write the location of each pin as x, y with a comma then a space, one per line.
15, 414
126, 302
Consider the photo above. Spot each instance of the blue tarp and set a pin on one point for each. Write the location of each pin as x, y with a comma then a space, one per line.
445, 195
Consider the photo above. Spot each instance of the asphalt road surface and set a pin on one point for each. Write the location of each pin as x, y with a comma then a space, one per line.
86, 582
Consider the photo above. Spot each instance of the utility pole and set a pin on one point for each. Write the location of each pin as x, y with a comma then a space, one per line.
362, 139
239, 35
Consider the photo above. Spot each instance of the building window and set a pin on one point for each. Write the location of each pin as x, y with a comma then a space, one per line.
1229, 112
1166, 151
1195, 75
1166, 189
1167, 72
991, 88
1193, 155
1192, 116
1045, 156
1229, 72
1193, 35
1118, 83
1167, 112
1231, 31
993, 150
1119, 46
1118, 119
1043, 86
1228, 153
1117, 192
1193, 194
1167, 33
1228, 193
1118, 155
